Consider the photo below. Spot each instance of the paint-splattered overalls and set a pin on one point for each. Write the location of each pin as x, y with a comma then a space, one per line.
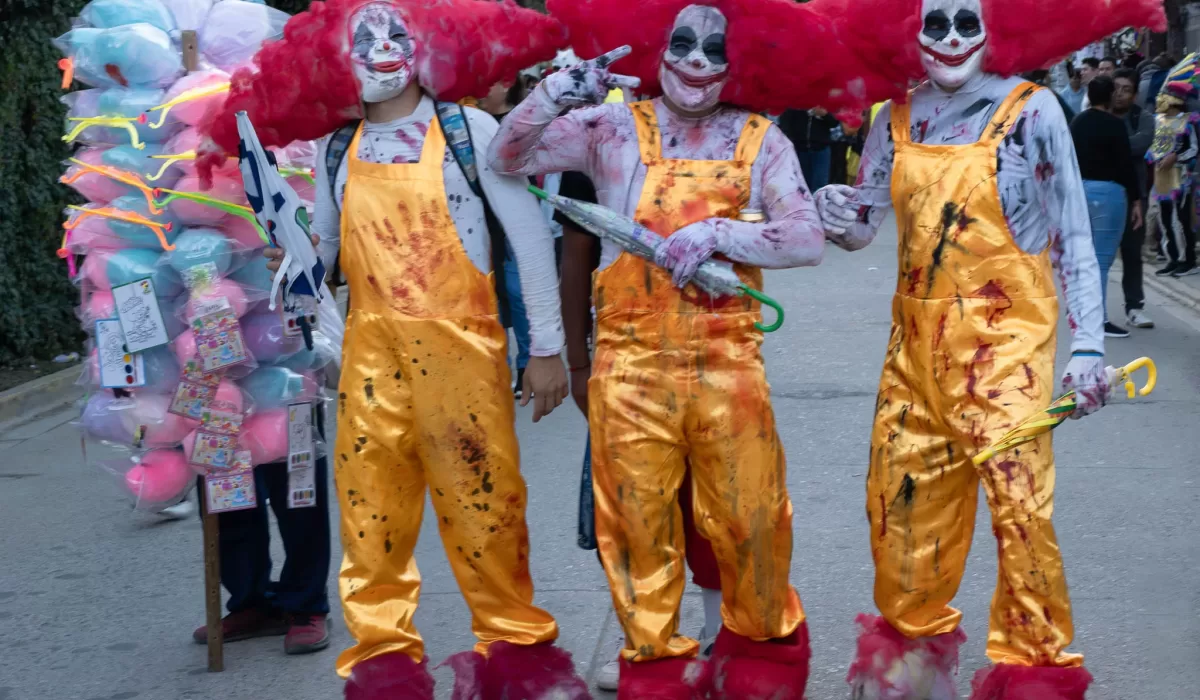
680, 377
424, 401
971, 354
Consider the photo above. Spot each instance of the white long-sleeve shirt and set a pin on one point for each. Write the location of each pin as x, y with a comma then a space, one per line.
601, 142
528, 233
1041, 190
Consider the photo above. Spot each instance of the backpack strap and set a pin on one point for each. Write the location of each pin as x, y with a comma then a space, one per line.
339, 144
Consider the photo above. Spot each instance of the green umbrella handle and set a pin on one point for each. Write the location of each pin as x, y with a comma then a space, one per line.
767, 301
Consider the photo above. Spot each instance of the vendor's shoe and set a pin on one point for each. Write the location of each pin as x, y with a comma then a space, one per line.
1011, 682
744, 669
890, 666
392, 676
306, 634
245, 624
517, 672
664, 679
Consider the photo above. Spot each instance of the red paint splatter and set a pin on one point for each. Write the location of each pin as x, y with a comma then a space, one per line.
883, 518
999, 302
981, 362
1046, 614
914, 278
1021, 531
940, 333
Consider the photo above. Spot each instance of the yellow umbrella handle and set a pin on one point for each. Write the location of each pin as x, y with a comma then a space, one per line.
1124, 375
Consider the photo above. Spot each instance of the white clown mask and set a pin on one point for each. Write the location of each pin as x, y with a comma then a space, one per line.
695, 68
952, 41
381, 52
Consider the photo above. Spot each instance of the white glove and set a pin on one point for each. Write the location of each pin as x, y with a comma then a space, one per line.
1087, 376
589, 82
839, 208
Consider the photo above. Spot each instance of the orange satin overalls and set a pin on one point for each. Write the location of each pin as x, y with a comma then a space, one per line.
678, 376
424, 402
971, 355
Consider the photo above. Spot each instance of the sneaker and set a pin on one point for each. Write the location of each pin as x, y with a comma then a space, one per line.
609, 676
246, 624
306, 634
520, 384
1160, 258
1112, 330
1138, 319
184, 509
706, 647
1186, 270
1168, 270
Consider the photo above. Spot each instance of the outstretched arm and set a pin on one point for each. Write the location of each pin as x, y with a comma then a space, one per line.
852, 215
791, 236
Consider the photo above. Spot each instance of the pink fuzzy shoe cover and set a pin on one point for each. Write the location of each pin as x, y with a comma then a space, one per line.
890, 666
515, 672
1011, 682
392, 676
665, 679
744, 669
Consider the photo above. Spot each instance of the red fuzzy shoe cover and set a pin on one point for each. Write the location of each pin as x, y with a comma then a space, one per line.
744, 669
468, 668
890, 666
665, 679
534, 672
392, 676
1011, 682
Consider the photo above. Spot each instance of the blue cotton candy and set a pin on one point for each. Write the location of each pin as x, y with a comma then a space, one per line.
132, 56
201, 246
140, 235
125, 266
104, 14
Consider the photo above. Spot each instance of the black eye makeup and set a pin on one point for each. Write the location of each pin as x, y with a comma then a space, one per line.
937, 25
683, 41
714, 49
967, 23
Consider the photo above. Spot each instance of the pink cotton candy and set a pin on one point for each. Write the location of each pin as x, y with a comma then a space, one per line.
243, 233
95, 270
99, 305
192, 111
265, 435
161, 476
222, 288
93, 233
95, 187
227, 187
185, 347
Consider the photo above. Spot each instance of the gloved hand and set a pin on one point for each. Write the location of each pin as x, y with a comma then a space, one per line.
589, 82
683, 252
838, 206
1087, 376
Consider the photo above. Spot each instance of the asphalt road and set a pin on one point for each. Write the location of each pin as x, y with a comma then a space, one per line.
98, 602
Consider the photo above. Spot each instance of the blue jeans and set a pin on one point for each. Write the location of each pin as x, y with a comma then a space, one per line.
245, 540
815, 165
586, 537
1107, 208
516, 308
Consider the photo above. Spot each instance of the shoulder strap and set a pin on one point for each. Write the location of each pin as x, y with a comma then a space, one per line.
1006, 114
899, 119
339, 144
750, 143
458, 137
646, 122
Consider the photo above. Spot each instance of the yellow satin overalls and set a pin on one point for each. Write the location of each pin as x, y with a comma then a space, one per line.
971, 355
678, 376
424, 402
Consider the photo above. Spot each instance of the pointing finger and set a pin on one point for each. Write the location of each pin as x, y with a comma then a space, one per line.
616, 54
616, 80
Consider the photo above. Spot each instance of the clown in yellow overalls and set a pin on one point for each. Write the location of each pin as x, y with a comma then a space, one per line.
971, 355
678, 378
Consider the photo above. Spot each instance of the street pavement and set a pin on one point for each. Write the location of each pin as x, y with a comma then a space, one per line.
98, 602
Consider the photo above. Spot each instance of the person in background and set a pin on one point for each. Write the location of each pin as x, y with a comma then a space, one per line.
1152, 75
296, 605
811, 132
1107, 168
1090, 69
1173, 153
1107, 66
1139, 124
1073, 95
499, 101
1042, 77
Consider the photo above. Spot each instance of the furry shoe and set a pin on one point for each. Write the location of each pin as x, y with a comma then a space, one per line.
665, 679
515, 672
392, 676
890, 666
1011, 682
744, 669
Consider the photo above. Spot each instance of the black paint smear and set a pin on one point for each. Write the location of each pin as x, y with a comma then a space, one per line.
369, 390
387, 546
908, 488
487, 486
952, 216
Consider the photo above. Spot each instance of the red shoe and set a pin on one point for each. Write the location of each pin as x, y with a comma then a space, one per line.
245, 624
664, 679
517, 672
306, 634
1011, 682
744, 669
392, 676
890, 665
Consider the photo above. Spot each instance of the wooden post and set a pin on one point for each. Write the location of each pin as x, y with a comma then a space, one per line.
191, 50
212, 593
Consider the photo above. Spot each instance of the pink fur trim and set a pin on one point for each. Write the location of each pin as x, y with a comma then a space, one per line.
531, 672
392, 676
744, 669
1012, 682
664, 679
880, 645
468, 667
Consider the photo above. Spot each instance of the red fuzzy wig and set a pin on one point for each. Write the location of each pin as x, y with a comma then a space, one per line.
782, 54
1023, 35
303, 86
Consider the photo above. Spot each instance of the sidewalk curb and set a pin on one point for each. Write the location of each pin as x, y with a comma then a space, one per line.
35, 399
1180, 292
